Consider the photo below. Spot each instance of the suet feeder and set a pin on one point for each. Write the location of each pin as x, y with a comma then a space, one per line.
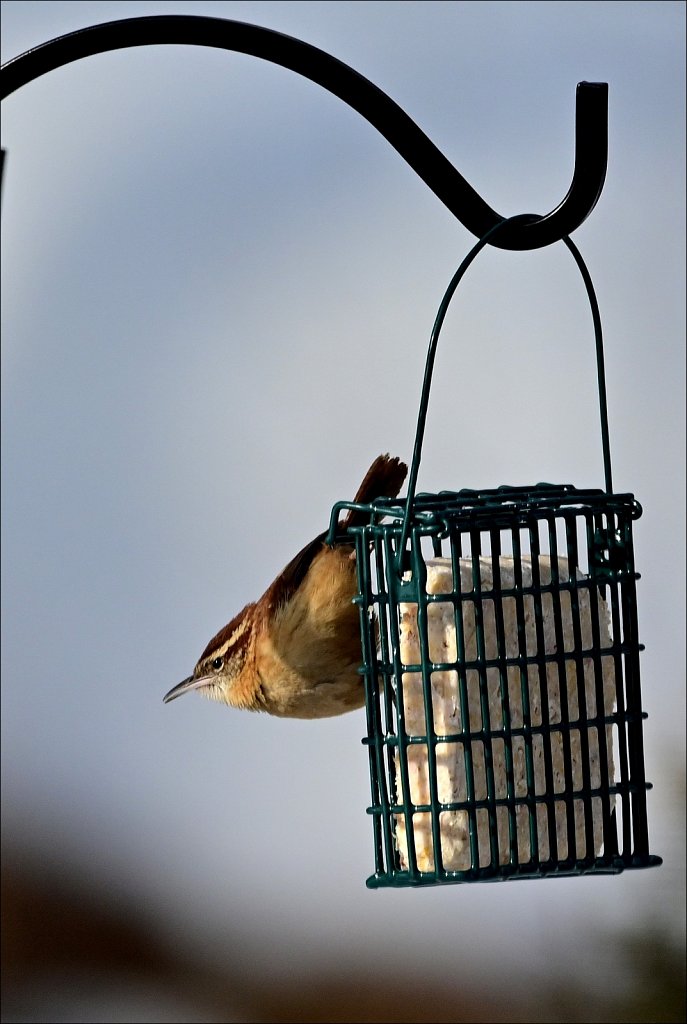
501, 667
500, 648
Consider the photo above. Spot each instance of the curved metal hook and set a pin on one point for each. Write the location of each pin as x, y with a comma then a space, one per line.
530, 232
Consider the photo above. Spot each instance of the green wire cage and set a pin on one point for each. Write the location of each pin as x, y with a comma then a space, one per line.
500, 655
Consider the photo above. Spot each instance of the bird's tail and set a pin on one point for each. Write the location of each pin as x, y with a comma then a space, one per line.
383, 479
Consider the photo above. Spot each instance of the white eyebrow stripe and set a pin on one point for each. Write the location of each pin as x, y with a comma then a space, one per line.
231, 642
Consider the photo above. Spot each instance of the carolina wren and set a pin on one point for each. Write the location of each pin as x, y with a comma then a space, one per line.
296, 651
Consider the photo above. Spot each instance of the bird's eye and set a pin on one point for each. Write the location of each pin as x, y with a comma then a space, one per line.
217, 664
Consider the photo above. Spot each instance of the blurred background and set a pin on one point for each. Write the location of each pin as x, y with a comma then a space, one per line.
218, 286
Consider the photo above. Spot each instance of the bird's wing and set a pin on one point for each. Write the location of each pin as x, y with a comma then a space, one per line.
291, 577
383, 479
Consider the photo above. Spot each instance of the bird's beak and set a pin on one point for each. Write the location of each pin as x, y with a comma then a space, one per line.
185, 687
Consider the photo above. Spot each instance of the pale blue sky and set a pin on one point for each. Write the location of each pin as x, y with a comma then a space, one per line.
218, 286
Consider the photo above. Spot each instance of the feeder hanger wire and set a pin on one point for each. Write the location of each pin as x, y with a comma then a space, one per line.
429, 368
528, 231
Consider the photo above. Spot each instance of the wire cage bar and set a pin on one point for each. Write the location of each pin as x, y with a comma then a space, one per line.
500, 657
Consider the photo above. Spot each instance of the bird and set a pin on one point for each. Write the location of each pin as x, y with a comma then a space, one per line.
296, 652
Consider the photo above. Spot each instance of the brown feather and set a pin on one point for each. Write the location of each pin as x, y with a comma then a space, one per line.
383, 479
220, 639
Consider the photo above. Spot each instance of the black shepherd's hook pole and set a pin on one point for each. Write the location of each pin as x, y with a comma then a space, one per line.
527, 232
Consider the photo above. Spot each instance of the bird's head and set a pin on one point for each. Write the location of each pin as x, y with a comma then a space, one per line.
219, 666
